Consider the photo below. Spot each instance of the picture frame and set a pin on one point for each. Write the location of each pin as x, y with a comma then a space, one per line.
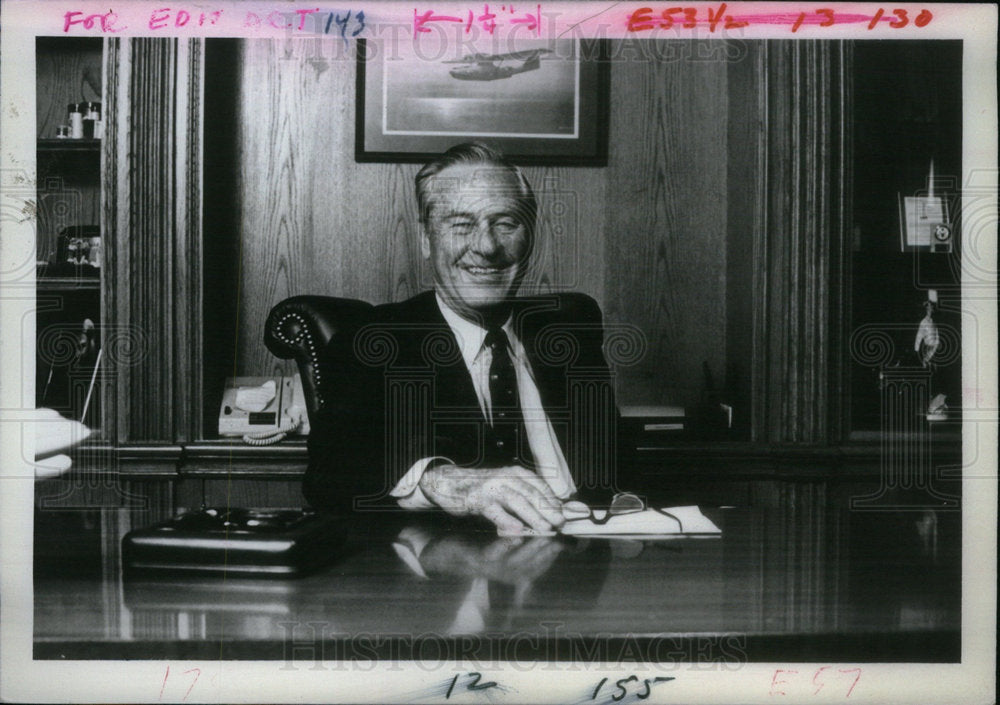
543, 103
924, 224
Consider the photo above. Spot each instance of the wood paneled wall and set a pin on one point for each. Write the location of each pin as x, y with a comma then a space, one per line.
646, 236
665, 238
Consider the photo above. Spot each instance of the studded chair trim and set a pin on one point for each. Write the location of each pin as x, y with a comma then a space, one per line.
301, 327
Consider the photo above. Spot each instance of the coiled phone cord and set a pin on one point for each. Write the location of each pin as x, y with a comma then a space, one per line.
266, 438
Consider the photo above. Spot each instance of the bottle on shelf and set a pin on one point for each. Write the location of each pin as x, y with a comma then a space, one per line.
75, 121
92, 124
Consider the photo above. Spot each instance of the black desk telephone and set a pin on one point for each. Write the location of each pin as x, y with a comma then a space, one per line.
263, 410
236, 541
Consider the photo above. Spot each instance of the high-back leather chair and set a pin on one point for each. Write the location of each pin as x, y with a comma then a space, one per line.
300, 327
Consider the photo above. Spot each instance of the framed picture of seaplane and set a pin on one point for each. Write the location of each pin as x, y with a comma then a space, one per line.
540, 102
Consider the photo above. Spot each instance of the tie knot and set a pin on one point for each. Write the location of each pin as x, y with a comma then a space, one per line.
496, 338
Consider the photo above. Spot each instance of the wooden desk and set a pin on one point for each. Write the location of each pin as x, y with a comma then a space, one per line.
796, 575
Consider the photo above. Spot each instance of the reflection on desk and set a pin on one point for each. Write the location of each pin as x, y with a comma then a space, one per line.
795, 576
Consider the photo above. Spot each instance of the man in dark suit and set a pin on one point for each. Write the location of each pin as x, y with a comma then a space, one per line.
469, 398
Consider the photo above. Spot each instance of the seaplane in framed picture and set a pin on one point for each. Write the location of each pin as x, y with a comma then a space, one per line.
491, 67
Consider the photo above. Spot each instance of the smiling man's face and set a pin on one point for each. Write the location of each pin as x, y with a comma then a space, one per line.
476, 239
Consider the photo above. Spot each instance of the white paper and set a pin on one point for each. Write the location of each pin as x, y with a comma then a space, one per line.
647, 523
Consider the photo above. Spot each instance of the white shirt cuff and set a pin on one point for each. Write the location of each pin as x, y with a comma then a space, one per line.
407, 491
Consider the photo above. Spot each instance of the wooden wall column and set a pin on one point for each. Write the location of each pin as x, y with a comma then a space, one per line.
798, 293
152, 227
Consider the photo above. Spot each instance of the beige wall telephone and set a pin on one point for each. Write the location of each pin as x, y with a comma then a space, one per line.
263, 410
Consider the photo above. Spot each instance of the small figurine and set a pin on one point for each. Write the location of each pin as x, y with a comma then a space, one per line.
928, 341
72, 248
78, 250
926, 346
937, 410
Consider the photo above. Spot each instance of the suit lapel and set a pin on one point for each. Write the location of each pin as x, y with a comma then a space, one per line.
453, 388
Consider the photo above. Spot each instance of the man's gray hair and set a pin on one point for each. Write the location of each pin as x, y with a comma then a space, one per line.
476, 153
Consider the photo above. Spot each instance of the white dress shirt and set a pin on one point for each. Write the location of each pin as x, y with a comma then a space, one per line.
550, 463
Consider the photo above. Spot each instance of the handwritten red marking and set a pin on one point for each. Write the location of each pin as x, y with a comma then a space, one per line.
164, 684
640, 20
715, 17
787, 18
158, 18
107, 21
775, 682
668, 17
197, 675
302, 16
856, 678
532, 21
488, 17
275, 18
819, 685
486, 20
644, 19
420, 20
164, 17
820, 679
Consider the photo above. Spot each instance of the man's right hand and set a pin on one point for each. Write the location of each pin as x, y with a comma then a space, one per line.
511, 497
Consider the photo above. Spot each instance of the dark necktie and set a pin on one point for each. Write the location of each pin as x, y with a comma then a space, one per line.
508, 419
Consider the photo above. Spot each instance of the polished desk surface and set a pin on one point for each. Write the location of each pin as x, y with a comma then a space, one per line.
796, 575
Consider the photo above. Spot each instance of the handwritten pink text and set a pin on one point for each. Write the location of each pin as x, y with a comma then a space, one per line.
486, 20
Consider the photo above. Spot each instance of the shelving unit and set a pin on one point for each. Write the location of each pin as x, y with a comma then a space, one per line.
68, 324
83, 283
57, 144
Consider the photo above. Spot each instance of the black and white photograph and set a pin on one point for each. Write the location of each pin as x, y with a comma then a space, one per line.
544, 103
568, 354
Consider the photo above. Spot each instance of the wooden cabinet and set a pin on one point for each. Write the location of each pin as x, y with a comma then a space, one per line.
69, 239
912, 148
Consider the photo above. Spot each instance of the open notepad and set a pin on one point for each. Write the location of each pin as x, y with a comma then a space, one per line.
666, 523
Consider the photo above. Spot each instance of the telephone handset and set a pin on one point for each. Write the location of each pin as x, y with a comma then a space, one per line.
263, 410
